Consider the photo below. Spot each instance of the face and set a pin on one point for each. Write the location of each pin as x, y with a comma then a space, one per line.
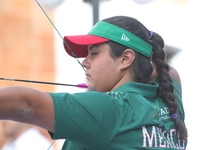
102, 71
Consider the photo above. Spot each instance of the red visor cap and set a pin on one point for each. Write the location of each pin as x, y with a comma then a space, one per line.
78, 44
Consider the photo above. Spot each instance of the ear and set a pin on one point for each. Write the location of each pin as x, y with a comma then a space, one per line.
127, 58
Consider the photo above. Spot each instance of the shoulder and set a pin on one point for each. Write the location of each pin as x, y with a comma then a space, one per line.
174, 74
85, 101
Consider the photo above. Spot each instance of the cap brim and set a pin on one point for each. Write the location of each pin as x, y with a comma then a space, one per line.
78, 44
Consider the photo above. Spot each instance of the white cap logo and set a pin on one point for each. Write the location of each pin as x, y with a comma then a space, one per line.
124, 37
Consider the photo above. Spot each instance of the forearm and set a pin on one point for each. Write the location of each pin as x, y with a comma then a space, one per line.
26, 105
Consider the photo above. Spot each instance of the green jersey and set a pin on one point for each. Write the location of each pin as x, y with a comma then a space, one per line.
130, 117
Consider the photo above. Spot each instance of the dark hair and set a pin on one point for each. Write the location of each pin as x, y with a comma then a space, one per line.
143, 72
142, 67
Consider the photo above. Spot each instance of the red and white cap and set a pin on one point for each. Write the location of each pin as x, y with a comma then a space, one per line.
76, 46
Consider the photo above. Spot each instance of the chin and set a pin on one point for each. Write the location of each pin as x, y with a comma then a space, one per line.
90, 88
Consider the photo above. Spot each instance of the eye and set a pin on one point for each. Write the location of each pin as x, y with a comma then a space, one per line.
93, 49
94, 53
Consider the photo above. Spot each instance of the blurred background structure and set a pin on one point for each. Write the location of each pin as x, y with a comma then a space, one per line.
31, 49
26, 46
21, 136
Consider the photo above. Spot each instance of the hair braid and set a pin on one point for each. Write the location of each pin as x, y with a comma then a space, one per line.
166, 89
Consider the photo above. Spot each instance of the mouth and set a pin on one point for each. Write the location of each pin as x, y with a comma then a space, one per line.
87, 76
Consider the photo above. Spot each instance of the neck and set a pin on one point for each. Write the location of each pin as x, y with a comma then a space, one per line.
127, 77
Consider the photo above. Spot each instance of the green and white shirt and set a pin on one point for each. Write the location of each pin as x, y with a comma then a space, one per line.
129, 118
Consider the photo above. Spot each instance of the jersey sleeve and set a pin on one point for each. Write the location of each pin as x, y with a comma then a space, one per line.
86, 118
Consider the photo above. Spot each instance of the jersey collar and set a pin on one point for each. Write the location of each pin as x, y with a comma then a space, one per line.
147, 90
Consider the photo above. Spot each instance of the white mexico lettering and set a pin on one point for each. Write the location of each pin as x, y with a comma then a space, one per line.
151, 138
160, 138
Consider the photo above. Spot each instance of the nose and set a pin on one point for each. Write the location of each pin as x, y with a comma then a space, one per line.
85, 63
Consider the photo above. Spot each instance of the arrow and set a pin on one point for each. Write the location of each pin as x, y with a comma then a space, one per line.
82, 85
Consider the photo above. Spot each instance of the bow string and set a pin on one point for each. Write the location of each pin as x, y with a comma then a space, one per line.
73, 54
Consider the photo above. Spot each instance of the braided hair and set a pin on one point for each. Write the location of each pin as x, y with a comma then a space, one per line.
143, 68
166, 89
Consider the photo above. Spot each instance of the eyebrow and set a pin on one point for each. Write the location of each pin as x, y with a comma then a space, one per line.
92, 46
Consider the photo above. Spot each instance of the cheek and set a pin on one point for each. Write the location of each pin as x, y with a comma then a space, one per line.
105, 67
100, 64
105, 77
